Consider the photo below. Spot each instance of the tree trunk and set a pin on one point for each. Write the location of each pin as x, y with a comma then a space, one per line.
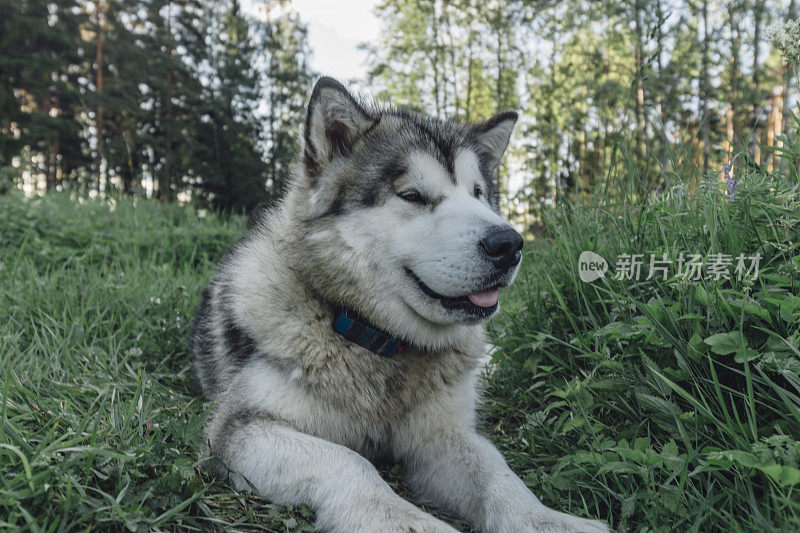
98, 160
131, 163
731, 117
775, 125
755, 129
453, 64
642, 143
468, 103
434, 60
789, 71
704, 90
47, 155
499, 90
660, 21
272, 175
165, 191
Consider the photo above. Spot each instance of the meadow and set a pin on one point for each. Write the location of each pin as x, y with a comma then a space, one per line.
659, 405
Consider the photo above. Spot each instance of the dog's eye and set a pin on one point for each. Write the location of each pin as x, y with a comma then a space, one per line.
411, 195
477, 191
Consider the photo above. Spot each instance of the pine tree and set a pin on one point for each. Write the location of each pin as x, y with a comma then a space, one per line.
232, 173
285, 77
40, 68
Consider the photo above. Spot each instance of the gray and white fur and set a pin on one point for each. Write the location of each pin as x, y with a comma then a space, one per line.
393, 216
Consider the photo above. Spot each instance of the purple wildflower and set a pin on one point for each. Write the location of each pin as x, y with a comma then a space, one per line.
679, 191
729, 180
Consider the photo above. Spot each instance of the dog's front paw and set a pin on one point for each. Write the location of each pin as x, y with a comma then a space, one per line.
380, 516
423, 524
546, 521
406, 522
555, 522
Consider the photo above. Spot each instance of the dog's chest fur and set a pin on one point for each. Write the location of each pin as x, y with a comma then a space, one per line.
355, 380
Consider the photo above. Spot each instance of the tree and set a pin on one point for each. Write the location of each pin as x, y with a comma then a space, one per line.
40, 68
281, 54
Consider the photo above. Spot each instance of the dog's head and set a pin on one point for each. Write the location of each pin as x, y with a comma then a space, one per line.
400, 215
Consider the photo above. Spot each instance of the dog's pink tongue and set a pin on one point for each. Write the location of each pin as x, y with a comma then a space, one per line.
484, 299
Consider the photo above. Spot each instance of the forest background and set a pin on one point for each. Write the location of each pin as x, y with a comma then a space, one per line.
184, 100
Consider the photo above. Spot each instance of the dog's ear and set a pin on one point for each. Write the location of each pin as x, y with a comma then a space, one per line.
334, 122
491, 137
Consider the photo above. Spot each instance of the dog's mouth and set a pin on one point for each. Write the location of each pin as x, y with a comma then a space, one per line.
479, 304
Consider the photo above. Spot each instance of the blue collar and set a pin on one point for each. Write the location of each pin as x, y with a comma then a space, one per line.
372, 339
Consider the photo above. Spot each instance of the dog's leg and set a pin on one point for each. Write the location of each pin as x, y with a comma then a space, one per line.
286, 466
460, 470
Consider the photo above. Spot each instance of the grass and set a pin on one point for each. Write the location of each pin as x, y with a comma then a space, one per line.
661, 404
658, 405
100, 427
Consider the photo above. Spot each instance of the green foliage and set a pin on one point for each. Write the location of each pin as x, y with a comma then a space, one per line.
662, 82
285, 82
785, 37
99, 427
164, 98
40, 70
451, 59
661, 404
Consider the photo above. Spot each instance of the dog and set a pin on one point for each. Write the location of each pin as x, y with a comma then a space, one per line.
346, 327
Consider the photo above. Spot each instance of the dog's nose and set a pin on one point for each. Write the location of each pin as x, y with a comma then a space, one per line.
502, 244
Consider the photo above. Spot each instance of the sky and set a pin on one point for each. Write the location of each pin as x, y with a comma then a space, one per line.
335, 29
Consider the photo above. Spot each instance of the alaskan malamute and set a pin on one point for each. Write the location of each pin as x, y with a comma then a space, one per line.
346, 327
